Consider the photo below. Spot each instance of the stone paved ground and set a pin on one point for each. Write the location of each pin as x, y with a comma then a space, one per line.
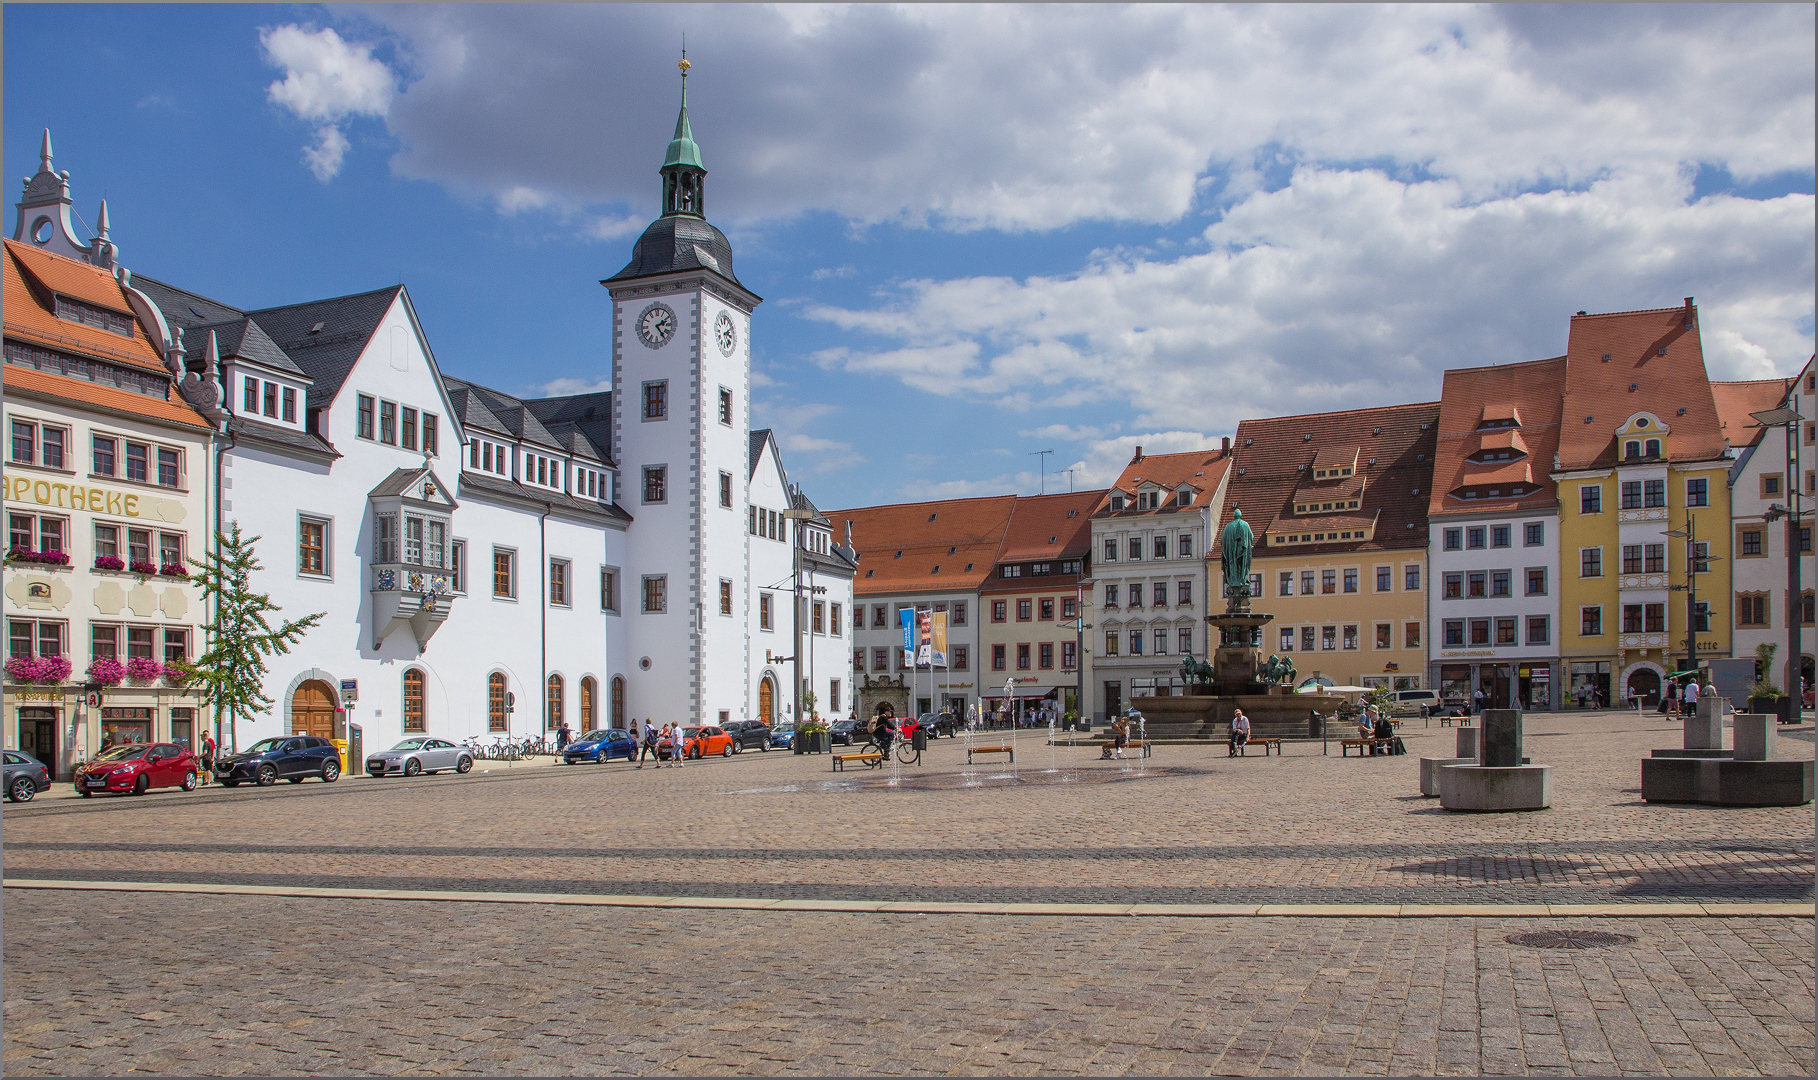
99, 982
257, 985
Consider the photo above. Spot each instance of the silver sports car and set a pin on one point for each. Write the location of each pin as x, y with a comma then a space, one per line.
419, 755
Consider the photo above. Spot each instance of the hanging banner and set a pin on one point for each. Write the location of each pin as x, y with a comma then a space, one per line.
924, 624
908, 618
939, 651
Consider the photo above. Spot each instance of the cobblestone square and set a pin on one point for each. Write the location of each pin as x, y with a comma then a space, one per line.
850, 937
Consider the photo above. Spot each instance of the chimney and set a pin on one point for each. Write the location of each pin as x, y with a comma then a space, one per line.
1690, 312
1138, 457
1224, 446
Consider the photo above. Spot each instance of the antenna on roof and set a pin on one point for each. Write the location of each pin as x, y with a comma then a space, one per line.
1043, 455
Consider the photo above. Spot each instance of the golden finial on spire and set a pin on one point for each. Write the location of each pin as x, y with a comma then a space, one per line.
684, 65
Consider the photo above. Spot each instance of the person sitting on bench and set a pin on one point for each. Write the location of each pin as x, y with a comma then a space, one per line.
1240, 731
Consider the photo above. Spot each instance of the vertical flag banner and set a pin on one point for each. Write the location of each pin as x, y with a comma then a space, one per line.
924, 624
939, 643
908, 618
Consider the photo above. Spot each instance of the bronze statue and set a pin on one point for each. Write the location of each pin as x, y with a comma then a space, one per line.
1279, 671
1196, 672
1234, 553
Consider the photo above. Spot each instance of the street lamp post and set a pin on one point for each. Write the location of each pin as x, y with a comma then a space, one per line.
1080, 626
1788, 418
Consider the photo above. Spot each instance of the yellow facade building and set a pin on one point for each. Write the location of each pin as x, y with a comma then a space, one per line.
1642, 477
1338, 505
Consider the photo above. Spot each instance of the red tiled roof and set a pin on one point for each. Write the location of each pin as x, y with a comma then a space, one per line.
31, 276
1041, 530
1271, 458
1659, 354
113, 398
1204, 469
926, 547
1532, 390
1736, 400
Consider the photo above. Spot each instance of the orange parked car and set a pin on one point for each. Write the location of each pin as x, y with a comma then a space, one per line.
698, 742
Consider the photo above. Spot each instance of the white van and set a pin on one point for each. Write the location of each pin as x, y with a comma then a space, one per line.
1415, 703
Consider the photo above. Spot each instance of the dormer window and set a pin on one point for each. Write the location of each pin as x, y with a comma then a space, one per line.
100, 318
1117, 502
1183, 498
1652, 448
1633, 450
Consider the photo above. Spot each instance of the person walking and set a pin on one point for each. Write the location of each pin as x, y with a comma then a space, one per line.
562, 737
679, 743
1240, 731
1691, 695
1477, 701
648, 745
208, 756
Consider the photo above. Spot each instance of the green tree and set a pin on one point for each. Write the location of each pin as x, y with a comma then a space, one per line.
231, 674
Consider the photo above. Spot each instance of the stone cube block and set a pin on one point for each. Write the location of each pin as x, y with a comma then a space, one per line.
1501, 745
1756, 736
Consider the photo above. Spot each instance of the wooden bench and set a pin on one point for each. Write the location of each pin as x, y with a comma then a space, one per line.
1265, 743
1344, 745
1448, 721
1009, 750
871, 758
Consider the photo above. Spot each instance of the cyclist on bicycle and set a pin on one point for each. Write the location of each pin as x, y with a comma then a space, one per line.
883, 726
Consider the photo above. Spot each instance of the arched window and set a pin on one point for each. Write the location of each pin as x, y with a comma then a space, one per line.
413, 700
495, 703
618, 701
588, 689
554, 719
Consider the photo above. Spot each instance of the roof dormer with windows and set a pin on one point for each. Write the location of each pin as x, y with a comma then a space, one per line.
1642, 440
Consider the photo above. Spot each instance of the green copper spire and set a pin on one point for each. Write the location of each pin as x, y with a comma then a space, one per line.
682, 148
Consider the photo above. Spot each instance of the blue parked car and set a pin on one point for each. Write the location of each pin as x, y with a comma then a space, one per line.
601, 747
780, 736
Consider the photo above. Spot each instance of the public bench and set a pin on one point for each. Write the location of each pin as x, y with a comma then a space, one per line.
1267, 744
1448, 721
1007, 750
1364, 746
871, 758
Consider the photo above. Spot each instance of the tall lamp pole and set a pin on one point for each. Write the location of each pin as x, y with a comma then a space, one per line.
1788, 418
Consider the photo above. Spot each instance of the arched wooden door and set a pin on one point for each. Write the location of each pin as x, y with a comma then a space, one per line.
767, 700
587, 696
312, 710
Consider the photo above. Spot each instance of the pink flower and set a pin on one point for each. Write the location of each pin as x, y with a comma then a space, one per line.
109, 562
107, 672
144, 668
33, 669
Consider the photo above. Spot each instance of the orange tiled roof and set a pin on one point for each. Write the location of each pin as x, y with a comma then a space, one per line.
1044, 527
1204, 469
1659, 354
1395, 461
926, 546
1529, 391
1736, 400
173, 411
31, 276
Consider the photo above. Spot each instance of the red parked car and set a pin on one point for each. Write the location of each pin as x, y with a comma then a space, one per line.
136, 768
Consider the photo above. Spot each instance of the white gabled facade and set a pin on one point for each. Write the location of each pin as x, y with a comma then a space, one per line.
1762, 479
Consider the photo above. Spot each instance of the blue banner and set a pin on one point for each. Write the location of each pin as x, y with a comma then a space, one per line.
908, 617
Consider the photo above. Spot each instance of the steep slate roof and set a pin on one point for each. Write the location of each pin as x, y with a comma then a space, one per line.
1659, 353
533, 498
512, 416
1204, 469
756, 450
1528, 392
327, 355
580, 422
247, 429
1736, 400
1271, 456
183, 308
949, 534
31, 276
242, 338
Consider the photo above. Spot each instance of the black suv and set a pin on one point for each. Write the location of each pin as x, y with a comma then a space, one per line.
290, 757
747, 734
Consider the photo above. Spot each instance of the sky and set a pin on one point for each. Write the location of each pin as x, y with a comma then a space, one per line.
980, 232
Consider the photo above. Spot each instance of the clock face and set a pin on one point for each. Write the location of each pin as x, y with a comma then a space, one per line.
726, 333
656, 325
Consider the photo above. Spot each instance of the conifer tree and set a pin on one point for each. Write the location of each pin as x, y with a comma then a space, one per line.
231, 674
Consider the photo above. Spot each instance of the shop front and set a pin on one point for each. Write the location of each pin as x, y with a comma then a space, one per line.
1590, 687
1515, 684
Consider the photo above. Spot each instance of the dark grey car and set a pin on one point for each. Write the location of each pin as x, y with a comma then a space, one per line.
25, 776
747, 734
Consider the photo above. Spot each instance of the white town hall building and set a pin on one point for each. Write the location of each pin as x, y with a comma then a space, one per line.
493, 565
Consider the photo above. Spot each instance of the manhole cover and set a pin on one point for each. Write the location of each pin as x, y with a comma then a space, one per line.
1568, 939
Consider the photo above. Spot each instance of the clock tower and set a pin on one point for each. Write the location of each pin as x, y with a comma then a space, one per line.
681, 378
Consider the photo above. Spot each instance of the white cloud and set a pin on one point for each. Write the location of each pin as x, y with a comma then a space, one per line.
1106, 459
1015, 118
326, 81
826, 272
1066, 432
1349, 287
324, 158
566, 386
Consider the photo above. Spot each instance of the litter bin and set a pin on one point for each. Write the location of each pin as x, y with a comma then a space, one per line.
1316, 726
921, 739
